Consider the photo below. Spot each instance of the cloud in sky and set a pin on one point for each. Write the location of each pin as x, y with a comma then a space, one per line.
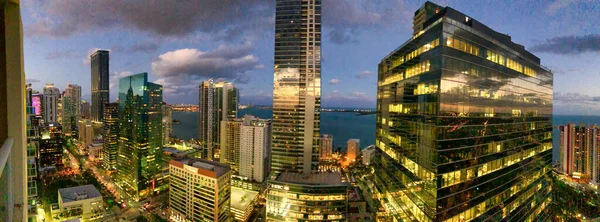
175, 18
576, 104
69, 54
31, 80
146, 47
334, 81
569, 45
345, 18
183, 69
364, 74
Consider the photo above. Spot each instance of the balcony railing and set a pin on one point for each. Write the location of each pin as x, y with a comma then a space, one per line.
6, 189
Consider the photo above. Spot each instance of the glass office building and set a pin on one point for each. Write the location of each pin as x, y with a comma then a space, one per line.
297, 86
297, 197
110, 134
99, 62
217, 101
140, 135
464, 126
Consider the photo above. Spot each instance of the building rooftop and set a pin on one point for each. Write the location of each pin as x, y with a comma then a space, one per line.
207, 165
78, 193
321, 178
242, 198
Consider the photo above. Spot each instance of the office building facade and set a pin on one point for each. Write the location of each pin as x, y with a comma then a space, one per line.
140, 135
217, 101
199, 190
297, 86
325, 146
86, 110
50, 103
99, 62
464, 124
307, 197
110, 135
51, 146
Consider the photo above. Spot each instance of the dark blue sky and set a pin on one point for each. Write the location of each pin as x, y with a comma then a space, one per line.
181, 44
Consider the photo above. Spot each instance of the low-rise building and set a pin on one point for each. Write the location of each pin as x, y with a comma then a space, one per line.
95, 151
367, 154
300, 197
242, 203
83, 202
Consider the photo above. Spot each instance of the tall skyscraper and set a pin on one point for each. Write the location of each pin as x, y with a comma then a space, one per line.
68, 112
74, 91
464, 124
352, 149
110, 136
245, 145
296, 190
579, 151
255, 148
216, 102
140, 135
297, 86
86, 112
100, 86
32, 148
325, 146
199, 190
167, 122
13, 156
50, 103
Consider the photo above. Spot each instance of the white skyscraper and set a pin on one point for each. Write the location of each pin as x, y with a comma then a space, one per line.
50, 103
255, 148
246, 146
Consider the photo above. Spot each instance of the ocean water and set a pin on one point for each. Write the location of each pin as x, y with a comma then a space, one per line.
341, 125
344, 126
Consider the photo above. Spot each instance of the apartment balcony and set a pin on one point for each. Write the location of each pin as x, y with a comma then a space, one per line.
8, 208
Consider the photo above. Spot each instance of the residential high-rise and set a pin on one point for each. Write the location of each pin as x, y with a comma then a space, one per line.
167, 123
255, 148
32, 148
245, 146
367, 154
100, 87
140, 135
297, 86
111, 136
579, 150
325, 146
86, 112
216, 102
199, 190
352, 149
50, 103
51, 145
464, 124
74, 91
68, 112
13, 137
230, 143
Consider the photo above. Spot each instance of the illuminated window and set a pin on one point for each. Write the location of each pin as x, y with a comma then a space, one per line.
417, 69
462, 45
